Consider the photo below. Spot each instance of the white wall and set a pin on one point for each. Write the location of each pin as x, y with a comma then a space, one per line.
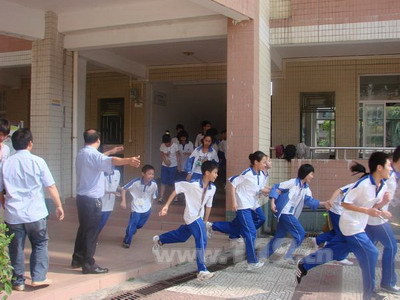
187, 104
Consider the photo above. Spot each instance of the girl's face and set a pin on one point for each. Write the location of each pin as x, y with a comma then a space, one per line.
207, 141
308, 178
182, 139
148, 176
260, 165
168, 144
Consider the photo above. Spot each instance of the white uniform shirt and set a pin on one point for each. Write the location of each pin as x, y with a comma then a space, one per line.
184, 152
297, 192
194, 198
112, 183
90, 165
363, 194
392, 189
170, 153
142, 194
200, 157
248, 187
198, 139
337, 204
222, 147
4, 152
23, 176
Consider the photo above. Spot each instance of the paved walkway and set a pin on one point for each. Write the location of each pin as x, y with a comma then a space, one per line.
123, 263
272, 281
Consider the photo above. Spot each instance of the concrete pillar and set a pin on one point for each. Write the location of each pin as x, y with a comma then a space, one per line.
248, 90
51, 103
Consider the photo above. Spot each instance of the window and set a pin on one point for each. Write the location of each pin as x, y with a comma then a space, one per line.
379, 111
111, 113
318, 119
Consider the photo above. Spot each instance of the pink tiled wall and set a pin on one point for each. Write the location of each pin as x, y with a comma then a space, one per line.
10, 44
317, 12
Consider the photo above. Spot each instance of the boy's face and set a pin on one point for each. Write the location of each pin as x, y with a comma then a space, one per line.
148, 176
309, 177
182, 139
211, 176
2, 137
384, 171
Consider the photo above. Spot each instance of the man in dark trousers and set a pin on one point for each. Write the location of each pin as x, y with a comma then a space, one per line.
90, 168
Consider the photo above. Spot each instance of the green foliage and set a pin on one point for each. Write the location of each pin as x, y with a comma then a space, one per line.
5, 266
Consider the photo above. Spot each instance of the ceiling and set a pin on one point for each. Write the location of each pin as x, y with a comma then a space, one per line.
59, 6
200, 52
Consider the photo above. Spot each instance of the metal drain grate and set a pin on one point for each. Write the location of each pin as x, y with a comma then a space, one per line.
167, 283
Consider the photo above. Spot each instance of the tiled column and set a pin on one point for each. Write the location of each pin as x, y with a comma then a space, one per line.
248, 96
51, 104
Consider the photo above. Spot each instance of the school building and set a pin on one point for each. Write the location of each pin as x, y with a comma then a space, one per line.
322, 72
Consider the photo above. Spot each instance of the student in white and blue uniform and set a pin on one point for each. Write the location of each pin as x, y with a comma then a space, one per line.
24, 176
336, 211
5, 150
143, 190
287, 201
199, 196
169, 163
201, 154
185, 149
108, 200
247, 188
90, 168
365, 198
379, 230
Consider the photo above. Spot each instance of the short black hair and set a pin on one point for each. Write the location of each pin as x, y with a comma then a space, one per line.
146, 168
209, 166
208, 135
183, 133
396, 154
304, 170
4, 127
166, 138
90, 136
180, 126
21, 138
376, 159
205, 123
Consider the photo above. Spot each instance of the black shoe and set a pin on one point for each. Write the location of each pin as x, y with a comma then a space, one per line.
300, 273
124, 245
76, 264
97, 270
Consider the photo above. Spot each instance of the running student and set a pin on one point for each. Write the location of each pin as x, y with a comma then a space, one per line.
287, 201
366, 197
246, 189
108, 200
142, 190
201, 154
198, 193
379, 230
336, 211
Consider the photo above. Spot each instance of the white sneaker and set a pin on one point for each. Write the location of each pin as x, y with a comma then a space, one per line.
204, 275
156, 243
239, 240
345, 262
254, 266
209, 230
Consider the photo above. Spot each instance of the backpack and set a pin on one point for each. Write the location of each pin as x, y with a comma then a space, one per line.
289, 152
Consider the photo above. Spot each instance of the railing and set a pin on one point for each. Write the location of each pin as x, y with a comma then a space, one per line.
364, 151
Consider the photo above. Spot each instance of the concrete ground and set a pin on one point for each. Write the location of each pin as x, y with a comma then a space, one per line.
273, 281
